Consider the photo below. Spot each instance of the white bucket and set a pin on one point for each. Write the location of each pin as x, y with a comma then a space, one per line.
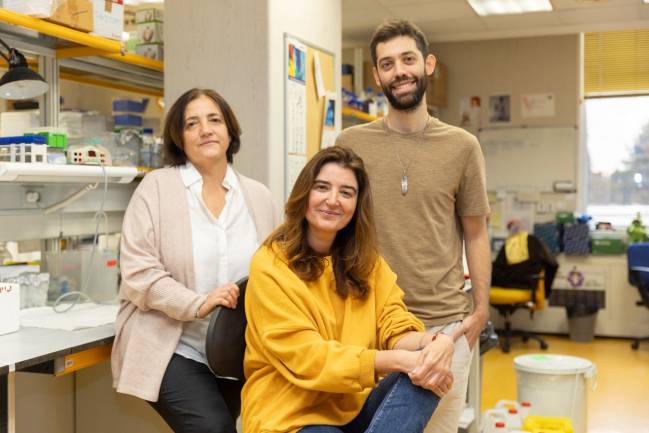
555, 385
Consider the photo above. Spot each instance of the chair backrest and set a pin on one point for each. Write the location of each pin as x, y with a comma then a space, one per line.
638, 261
225, 343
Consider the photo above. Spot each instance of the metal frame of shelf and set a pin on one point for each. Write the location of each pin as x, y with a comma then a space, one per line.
97, 56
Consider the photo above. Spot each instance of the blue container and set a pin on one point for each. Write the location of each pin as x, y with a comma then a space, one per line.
23, 139
127, 120
130, 106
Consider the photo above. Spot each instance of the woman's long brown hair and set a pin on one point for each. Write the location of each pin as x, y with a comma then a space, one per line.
354, 251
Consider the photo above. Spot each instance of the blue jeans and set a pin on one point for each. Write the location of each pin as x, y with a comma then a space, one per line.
395, 405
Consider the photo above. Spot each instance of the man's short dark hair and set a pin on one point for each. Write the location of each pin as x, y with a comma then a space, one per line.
393, 28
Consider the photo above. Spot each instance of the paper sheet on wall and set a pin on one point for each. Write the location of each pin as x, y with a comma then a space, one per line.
537, 105
296, 97
294, 165
317, 71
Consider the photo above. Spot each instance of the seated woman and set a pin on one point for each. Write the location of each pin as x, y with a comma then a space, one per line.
326, 319
189, 232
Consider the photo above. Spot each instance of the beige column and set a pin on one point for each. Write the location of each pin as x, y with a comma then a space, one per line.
237, 48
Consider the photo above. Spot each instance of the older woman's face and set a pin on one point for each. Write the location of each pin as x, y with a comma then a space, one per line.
205, 134
332, 200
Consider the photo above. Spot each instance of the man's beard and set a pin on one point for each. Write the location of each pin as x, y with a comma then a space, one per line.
410, 100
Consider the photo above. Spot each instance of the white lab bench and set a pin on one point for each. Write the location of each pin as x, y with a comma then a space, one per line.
38, 349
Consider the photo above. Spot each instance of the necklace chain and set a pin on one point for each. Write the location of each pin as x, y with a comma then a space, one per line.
404, 168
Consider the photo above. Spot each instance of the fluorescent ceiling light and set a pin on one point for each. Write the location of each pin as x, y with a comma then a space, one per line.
501, 7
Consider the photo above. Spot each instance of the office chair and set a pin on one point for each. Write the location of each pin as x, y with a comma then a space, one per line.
638, 262
225, 343
522, 278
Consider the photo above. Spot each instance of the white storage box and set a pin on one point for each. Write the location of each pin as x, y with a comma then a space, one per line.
34, 8
9, 308
14, 123
108, 16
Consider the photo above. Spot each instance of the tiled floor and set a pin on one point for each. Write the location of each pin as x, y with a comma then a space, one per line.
619, 404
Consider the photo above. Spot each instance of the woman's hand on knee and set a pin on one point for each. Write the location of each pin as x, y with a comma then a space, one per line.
442, 386
433, 363
226, 295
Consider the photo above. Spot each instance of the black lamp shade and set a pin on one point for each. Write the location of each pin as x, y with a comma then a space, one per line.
20, 82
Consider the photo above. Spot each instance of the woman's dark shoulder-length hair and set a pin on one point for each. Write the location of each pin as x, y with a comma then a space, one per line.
172, 136
354, 251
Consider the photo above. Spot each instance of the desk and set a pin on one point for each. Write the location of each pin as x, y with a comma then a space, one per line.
30, 347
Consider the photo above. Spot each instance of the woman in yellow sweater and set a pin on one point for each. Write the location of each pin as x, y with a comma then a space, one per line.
326, 319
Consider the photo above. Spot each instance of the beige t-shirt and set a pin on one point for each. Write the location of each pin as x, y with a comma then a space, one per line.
420, 233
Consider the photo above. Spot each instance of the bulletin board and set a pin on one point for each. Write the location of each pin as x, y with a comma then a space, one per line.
304, 110
529, 157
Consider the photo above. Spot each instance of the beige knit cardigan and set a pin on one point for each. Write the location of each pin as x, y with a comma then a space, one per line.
157, 291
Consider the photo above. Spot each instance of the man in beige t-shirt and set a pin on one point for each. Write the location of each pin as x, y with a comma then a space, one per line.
428, 182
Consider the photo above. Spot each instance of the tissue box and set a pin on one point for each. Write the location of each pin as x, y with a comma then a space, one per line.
146, 15
9, 308
152, 51
108, 16
149, 33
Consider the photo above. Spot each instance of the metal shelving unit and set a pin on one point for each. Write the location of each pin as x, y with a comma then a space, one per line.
65, 53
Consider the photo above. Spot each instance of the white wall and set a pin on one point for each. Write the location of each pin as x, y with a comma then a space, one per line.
548, 64
223, 45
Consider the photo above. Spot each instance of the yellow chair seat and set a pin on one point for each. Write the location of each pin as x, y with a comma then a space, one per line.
504, 296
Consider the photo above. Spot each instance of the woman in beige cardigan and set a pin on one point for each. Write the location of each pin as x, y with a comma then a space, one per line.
189, 232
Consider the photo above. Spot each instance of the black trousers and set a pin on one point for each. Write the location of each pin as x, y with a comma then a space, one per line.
193, 400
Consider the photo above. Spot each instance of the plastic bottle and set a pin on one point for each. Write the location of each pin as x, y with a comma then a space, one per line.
500, 427
514, 421
492, 416
525, 410
147, 147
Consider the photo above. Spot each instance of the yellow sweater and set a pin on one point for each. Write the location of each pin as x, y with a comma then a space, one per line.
310, 353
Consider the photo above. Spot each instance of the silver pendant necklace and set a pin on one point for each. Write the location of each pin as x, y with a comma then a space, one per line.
404, 172
404, 168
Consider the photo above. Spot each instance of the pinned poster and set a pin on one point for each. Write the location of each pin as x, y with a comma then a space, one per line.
499, 109
537, 105
296, 97
329, 121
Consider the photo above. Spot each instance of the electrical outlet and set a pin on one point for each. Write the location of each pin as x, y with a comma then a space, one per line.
32, 197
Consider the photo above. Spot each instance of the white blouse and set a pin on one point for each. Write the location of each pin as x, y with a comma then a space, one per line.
222, 248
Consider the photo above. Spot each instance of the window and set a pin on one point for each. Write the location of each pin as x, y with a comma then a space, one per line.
617, 136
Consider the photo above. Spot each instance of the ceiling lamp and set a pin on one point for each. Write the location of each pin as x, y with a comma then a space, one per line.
502, 7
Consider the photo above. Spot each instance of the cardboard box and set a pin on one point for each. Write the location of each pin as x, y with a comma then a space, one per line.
74, 13
150, 33
147, 15
9, 307
152, 51
108, 17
